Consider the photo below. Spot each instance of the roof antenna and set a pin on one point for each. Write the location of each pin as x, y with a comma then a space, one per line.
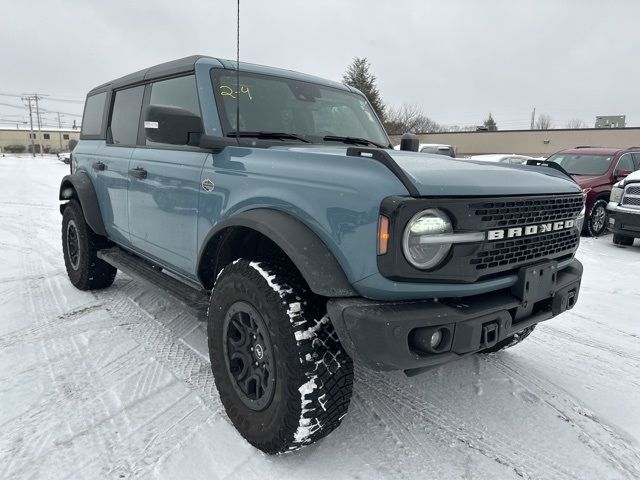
238, 76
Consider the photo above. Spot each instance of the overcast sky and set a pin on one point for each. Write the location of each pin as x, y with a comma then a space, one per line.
457, 60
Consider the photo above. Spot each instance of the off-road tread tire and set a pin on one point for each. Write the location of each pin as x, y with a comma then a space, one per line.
93, 273
623, 240
587, 229
317, 355
510, 341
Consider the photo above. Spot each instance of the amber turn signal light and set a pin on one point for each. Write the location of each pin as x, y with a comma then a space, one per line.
383, 235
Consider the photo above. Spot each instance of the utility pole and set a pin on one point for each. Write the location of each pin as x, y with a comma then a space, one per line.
39, 126
60, 131
533, 117
31, 135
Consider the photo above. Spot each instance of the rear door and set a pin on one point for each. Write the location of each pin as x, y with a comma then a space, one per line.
163, 205
112, 169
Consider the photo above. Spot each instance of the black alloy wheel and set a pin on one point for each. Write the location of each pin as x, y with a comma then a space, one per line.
249, 355
73, 245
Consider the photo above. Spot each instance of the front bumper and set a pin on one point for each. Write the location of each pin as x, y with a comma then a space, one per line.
624, 221
394, 335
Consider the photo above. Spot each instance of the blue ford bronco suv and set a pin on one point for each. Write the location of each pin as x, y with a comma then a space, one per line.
274, 203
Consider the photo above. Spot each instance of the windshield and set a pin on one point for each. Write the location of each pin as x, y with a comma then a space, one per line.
592, 165
270, 104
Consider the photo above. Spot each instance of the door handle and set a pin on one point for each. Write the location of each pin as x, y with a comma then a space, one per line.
98, 166
138, 172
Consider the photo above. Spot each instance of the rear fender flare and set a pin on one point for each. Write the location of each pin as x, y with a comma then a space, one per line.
78, 185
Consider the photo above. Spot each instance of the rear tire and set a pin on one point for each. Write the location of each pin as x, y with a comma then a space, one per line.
597, 221
510, 341
283, 377
623, 240
80, 246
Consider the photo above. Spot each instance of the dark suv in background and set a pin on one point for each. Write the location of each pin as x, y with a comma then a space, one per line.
596, 169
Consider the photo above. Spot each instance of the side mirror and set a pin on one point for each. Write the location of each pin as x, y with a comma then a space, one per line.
623, 173
173, 125
409, 142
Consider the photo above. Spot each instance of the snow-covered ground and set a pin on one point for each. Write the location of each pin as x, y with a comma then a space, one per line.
117, 384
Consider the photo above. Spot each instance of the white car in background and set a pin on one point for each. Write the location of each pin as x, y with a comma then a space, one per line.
502, 158
435, 148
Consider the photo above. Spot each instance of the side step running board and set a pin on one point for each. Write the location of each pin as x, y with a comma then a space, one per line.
192, 298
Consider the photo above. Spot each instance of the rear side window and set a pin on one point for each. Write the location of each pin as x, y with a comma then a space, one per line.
93, 115
125, 117
176, 92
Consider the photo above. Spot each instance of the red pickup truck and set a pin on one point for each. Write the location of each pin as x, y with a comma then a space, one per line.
596, 169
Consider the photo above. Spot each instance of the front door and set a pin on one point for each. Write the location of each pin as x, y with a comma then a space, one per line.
163, 194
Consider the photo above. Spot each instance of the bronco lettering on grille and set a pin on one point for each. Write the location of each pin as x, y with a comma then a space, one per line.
516, 232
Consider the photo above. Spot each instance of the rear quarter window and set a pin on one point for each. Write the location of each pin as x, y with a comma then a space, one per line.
93, 117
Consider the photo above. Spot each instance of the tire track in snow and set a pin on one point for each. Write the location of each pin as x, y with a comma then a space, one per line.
160, 341
501, 449
600, 437
588, 342
84, 416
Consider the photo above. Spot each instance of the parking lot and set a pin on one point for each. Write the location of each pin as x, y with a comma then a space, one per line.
117, 384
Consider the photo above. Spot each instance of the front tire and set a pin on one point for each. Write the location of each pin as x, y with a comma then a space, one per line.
622, 240
283, 377
597, 220
80, 247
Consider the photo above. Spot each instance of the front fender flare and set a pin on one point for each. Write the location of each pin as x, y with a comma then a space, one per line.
78, 185
307, 251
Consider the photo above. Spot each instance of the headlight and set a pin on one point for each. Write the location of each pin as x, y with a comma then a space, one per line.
616, 194
418, 241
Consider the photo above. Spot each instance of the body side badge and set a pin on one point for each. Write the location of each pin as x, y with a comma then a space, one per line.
207, 184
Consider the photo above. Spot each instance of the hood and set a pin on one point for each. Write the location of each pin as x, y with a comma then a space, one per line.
444, 176
439, 175
590, 181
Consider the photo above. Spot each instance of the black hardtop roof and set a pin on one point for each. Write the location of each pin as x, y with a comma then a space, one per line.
174, 67
187, 64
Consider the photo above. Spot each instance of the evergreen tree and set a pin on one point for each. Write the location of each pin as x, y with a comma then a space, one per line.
490, 123
359, 75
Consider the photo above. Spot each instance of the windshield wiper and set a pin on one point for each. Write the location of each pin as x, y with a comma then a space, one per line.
280, 135
353, 140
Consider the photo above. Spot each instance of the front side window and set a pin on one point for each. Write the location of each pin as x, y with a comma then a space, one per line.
588, 165
93, 114
125, 117
313, 112
625, 163
65, 136
176, 92
47, 136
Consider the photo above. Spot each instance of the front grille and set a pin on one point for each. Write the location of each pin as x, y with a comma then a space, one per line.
529, 211
510, 254
631, 197
523, 250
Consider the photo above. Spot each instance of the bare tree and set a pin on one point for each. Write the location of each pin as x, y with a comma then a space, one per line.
576, 123
543, 122
409, 118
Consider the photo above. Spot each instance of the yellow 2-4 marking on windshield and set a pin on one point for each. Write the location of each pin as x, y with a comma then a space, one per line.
227, 91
